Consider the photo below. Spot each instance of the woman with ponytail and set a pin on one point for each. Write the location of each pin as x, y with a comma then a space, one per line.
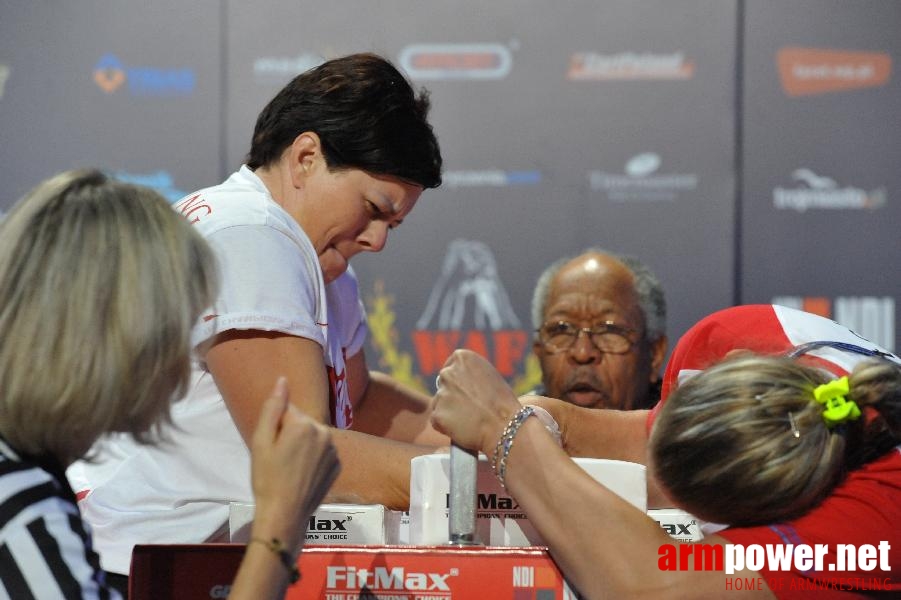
777, 427
761, 439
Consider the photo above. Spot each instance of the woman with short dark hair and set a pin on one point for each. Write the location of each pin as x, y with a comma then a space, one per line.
338, 157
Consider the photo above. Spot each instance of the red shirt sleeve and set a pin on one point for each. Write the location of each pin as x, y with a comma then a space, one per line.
865, 509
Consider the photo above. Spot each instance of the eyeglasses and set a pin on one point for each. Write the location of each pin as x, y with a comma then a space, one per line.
559, 336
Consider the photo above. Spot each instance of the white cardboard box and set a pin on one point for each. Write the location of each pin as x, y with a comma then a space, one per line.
332, 524
678, 524
499, 519
397, 527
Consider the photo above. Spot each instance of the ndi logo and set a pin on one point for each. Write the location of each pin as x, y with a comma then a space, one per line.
110, 74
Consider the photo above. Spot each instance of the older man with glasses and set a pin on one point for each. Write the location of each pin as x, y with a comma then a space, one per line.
600, 324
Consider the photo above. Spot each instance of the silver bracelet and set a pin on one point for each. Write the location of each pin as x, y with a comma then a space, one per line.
502, 448
505, 443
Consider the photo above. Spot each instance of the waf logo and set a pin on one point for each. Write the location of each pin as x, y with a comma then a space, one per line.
809, 71
870, 317
456, 61
468, 307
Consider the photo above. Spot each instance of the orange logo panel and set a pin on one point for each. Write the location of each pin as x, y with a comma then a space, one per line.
810, 71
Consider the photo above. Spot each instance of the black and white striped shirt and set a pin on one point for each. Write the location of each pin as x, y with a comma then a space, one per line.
45, 548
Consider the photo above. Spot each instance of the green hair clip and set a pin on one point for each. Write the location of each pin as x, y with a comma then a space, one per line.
836, 407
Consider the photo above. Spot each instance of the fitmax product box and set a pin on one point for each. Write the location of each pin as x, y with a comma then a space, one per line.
332, 524
191, 571
680, 525
397, 527
499, 519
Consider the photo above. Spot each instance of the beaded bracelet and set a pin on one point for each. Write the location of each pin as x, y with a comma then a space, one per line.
505, 443
276, 546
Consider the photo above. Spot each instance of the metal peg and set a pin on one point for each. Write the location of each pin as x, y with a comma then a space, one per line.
462, 518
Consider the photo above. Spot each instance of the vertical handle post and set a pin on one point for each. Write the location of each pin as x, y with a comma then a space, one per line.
462, 518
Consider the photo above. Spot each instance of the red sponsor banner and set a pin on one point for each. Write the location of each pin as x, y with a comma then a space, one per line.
809, 71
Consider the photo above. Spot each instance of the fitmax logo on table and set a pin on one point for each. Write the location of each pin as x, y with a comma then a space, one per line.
382, 579
112, 75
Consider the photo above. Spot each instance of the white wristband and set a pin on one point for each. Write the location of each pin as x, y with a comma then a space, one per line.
549, 423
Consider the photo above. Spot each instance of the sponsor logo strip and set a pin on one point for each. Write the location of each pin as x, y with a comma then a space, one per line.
810, 71
591, 66
438, 62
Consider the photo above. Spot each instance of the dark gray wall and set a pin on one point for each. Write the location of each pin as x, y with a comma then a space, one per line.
689, 134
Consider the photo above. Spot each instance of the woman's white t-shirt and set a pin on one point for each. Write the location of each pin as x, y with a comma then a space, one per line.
179, 491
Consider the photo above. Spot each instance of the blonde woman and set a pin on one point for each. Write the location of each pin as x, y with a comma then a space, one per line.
794, 443
100, 285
